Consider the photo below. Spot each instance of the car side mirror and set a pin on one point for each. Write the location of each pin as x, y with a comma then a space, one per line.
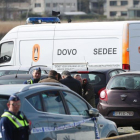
94, 112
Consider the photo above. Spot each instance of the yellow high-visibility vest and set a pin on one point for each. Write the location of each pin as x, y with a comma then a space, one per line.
17, 122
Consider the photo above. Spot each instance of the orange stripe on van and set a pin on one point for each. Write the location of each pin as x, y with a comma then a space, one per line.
36, 53
125, 45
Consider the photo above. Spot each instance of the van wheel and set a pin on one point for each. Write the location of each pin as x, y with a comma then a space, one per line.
39, 21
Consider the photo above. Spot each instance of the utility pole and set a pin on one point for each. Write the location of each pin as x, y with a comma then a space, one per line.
29, 2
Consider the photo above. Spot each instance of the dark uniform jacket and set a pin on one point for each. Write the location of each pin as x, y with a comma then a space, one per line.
9, 130
49, 79
88, 93
33, 80
73, 84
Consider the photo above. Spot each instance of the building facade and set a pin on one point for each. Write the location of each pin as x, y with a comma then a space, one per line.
122, 8
97, 6
13, 9
60, 5
38, 6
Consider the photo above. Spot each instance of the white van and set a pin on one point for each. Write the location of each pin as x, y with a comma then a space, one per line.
68, 46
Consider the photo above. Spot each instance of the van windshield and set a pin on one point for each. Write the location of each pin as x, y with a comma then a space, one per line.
6, 50
124, 82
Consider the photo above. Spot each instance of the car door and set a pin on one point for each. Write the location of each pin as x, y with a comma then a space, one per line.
78, 110
60, 123
33, 108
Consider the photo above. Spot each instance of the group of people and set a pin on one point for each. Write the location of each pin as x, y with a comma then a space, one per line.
14, 124
75, 83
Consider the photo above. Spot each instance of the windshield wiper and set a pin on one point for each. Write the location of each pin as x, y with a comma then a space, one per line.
121, 88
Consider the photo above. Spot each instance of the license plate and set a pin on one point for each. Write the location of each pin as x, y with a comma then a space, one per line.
123, 113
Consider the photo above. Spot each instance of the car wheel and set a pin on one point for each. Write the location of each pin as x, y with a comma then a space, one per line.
47, 139
136, 128
112, 135
39, 21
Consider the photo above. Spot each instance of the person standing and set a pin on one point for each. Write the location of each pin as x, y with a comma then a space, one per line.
87, 90
52, 77
70, 82
13, 124
35, 77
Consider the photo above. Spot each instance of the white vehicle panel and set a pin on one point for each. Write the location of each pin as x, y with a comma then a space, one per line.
26, 51
134, 46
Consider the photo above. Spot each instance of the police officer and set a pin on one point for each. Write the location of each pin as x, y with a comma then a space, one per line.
87, 90
52, 77
13, 123
35, 77
70, 82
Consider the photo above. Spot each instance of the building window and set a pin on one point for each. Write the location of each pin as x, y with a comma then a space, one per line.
68, 4
124, 3
124, 13
47, 4
61, 4
113, 3
136, 2
37, 4
113, 13
95, 4
54, 4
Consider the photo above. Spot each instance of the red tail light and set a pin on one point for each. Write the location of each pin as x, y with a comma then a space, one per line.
125, 66
29, 122
83, 71
100, 91
103, 95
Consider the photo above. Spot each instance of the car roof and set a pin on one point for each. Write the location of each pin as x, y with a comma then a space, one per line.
130, 72
10, 89
20, 88
20, 76
95, 70
25, 67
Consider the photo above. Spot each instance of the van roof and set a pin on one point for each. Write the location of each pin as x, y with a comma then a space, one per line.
115, 25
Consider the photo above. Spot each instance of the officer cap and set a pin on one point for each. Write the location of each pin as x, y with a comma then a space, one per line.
14, 98
38, 69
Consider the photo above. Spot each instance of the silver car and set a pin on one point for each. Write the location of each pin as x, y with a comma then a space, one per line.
7, 70
57, 113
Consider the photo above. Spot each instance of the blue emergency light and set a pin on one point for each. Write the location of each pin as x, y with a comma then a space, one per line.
39, 20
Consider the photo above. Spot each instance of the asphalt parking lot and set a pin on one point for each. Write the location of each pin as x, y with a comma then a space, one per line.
126, 130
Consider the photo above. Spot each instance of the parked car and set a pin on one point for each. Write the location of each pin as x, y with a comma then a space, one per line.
98, 78
6, 70
56, 112
120, 101
17, 78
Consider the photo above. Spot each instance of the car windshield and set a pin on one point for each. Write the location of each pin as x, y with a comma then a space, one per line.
93, 78
8, 72
3, 103
124, 82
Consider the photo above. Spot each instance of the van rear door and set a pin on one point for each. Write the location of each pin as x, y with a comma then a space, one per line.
134, 46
